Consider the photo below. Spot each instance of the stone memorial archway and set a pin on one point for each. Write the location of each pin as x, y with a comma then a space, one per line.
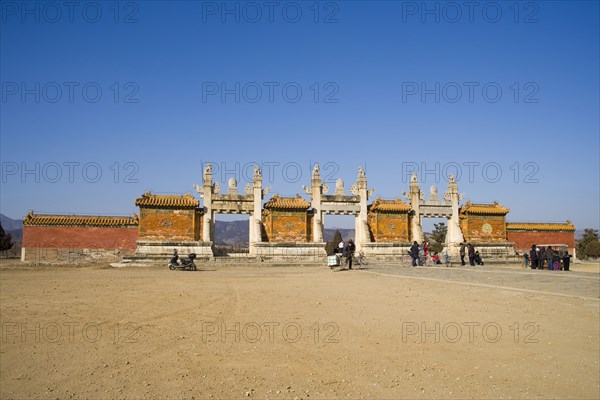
434, 207
232, 202
339, 203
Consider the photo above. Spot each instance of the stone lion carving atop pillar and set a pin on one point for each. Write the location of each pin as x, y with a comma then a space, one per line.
316, 172
208, 169
361, 172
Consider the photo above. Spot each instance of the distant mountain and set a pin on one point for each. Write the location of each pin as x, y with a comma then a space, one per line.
14, 227
10, 224
231, 232
346, 233
16, 234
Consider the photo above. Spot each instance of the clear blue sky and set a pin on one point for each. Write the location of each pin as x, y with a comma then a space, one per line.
386, 85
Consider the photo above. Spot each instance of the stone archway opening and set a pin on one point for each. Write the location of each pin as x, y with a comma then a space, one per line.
344, 223
231, 235
432, 231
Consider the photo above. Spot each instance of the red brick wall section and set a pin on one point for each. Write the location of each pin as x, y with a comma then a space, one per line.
524, 239
75, 237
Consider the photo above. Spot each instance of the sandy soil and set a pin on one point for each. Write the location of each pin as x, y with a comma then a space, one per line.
298, 332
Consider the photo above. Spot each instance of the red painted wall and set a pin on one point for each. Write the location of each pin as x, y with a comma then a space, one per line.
524, 239
75, 237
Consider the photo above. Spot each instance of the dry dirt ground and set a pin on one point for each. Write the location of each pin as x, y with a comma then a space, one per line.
243, 331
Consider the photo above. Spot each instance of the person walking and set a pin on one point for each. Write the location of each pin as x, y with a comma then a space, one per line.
471, 252
414, 253
462, 253
550, 257
348, 252
566, 260
533, 256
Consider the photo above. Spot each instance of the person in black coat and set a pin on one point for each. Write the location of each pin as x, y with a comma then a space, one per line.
471, 252
533, 256
348, 252
477, 259
566, 260
414, 253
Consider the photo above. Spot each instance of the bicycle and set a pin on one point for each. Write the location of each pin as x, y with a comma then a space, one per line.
360, 259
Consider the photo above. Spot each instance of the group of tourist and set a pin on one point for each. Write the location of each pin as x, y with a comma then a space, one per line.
420, 254
537, 258
474, 256
546, 258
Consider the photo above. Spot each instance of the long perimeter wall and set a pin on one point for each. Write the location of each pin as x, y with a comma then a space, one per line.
54, 238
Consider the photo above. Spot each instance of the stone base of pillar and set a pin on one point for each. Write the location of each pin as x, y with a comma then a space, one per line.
313, 253
386, 251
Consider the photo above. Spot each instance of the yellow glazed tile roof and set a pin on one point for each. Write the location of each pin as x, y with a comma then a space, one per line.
79, 220
485, 209
287, 203
534, 226
389, 205
155, 200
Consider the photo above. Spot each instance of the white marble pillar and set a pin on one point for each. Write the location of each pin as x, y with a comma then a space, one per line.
361, 221
415, 200
454, 236
317, 190
256, 215
208, 222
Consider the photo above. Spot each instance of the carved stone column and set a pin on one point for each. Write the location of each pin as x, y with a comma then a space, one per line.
454, 236
255, 217
316, 191
209, 220
362, 234
415, 200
